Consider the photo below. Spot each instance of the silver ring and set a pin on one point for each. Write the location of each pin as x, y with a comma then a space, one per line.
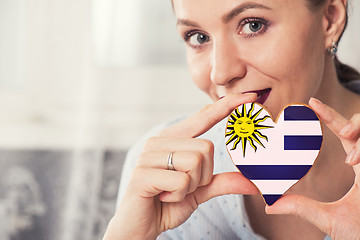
170, 165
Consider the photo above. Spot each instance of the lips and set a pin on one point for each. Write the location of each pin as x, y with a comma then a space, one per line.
262, 95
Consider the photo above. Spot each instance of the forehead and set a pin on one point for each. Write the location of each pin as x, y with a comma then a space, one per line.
185, 8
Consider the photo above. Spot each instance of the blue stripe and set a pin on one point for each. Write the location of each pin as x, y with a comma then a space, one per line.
295, 142
299, 113
271, 198
274, 172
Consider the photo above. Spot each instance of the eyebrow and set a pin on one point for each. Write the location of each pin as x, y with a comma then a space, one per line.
241, 8
229, 16
187, 23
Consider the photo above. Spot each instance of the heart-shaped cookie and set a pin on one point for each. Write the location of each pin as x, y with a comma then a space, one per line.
274, 156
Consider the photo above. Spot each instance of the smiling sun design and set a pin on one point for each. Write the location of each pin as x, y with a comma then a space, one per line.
245, 127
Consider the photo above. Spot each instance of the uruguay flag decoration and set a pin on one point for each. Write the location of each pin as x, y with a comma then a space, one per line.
274, 156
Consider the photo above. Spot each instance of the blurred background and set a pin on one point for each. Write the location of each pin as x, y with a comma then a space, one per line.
80, 82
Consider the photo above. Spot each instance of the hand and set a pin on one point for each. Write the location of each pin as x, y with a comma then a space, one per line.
339, 219
158, 199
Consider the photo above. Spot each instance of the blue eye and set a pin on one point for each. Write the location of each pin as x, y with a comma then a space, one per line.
196, 39
250, 27
253, 27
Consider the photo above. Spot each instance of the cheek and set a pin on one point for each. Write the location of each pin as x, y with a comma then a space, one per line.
294, 59
304, 59
200, 72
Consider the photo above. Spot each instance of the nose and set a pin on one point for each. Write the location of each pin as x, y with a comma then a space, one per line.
227, 63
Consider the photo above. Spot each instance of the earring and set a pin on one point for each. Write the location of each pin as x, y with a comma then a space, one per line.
333, 49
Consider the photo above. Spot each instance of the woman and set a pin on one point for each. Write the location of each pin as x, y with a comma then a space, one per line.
273, 52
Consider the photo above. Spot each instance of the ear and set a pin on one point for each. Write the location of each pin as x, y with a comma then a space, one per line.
334, 20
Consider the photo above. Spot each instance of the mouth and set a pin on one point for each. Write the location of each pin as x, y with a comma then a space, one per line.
262, 95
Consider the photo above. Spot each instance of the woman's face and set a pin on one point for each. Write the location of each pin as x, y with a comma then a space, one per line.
275, 48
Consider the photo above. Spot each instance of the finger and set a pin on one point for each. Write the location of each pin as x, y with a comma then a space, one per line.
317, 213
329, 116
333, 120
207, 117
223, 184
187, 162
147, 183
353, 157
205, 147
352, 129
357, 174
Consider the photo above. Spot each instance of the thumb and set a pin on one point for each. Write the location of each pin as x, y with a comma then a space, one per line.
317, 213
333, 120
225, 183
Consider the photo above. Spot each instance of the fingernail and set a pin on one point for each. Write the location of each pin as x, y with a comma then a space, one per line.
350, 157
316, 100
346, 130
